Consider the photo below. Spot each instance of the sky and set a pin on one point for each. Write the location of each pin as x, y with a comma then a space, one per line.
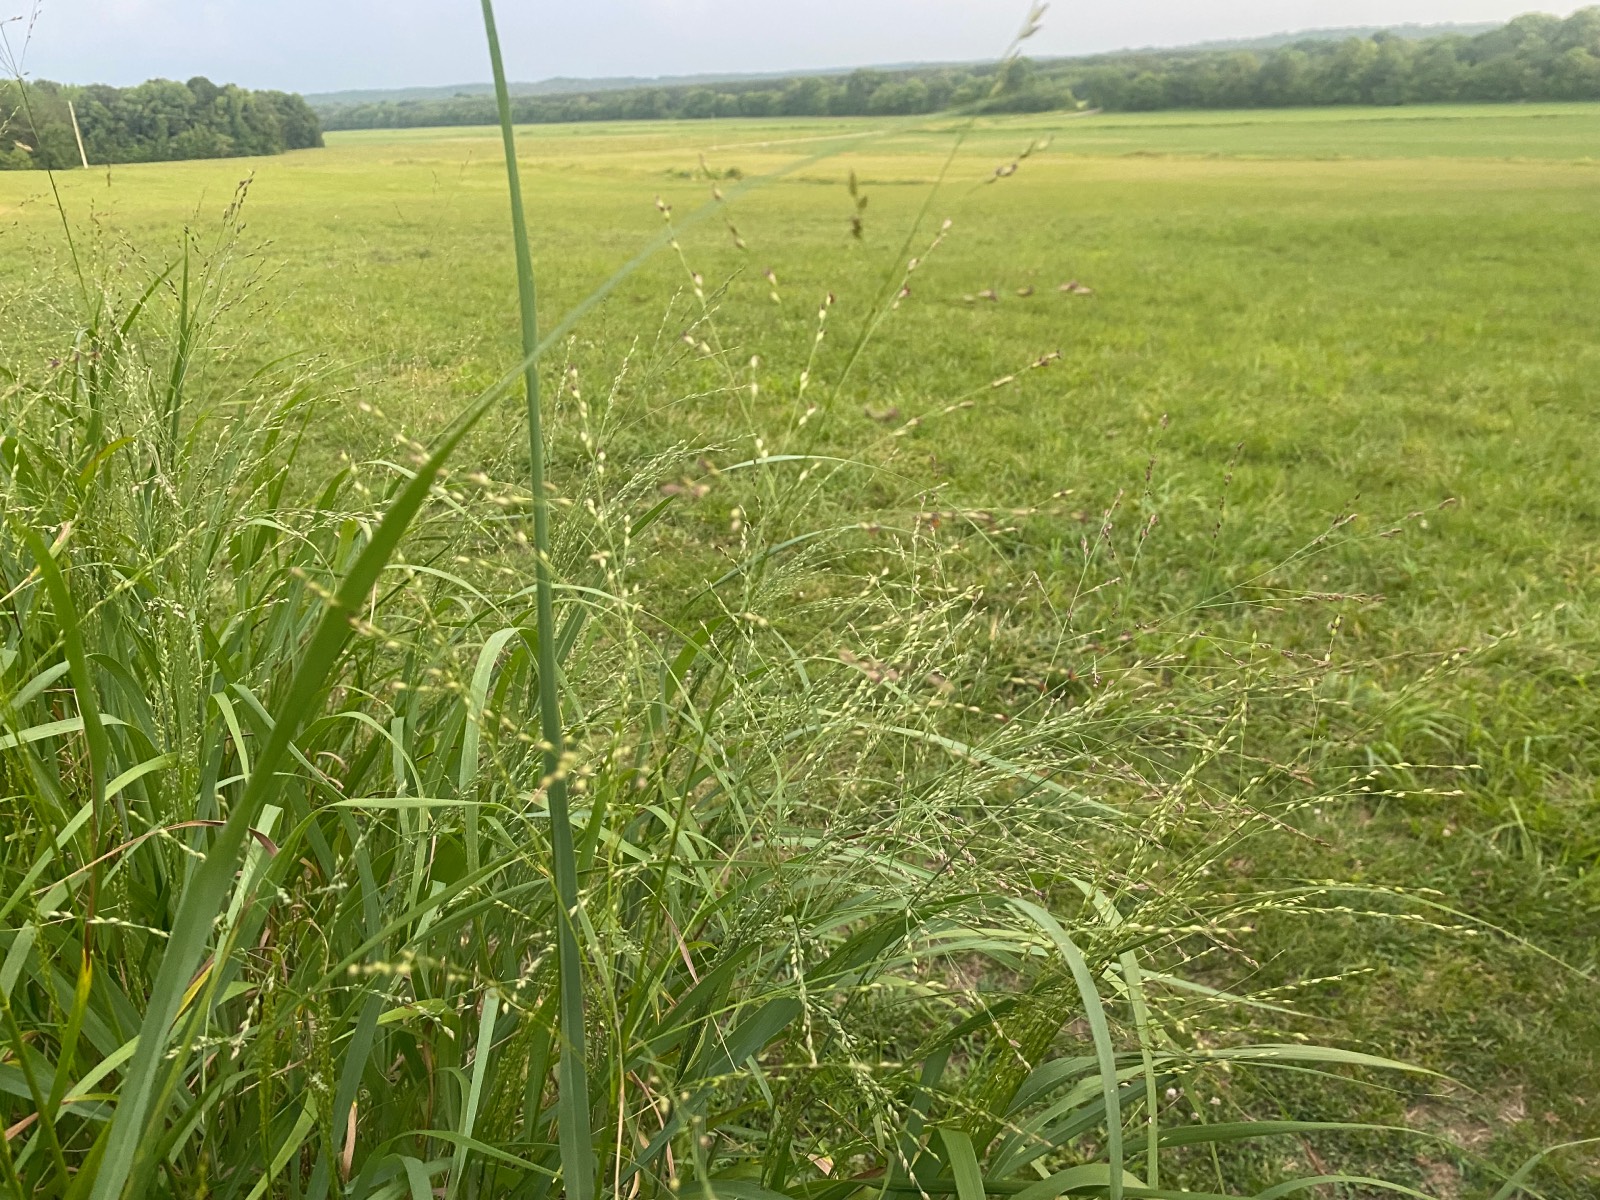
324, 45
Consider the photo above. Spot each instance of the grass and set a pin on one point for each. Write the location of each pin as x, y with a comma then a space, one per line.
1298, 318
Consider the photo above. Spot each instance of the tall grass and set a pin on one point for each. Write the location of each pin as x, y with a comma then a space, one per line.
373, 836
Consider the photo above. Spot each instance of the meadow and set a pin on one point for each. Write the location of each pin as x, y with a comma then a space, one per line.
1306, 466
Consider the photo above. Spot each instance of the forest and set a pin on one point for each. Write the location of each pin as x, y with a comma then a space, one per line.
157, 121
1535, 57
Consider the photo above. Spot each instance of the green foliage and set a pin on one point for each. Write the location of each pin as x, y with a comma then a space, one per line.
157, 121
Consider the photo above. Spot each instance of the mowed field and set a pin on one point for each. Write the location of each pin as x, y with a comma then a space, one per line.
1381, 318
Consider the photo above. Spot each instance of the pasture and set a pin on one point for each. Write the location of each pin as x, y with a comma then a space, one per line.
1329, 411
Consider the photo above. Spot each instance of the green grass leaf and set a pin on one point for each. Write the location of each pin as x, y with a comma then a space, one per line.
963, 1160
1100, 1030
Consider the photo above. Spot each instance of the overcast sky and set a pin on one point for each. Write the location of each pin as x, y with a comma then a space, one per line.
321, 45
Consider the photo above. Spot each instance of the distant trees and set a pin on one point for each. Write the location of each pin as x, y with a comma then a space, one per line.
155, 121
1535, 57
1531, 58
1018, 87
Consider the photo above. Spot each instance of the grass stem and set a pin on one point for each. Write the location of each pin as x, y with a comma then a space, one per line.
573, 1126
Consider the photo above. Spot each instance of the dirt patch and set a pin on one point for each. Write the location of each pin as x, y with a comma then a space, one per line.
1512, 1107
1452, 1117
1441, 1179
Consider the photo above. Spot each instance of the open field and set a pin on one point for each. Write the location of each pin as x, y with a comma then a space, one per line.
1297, 318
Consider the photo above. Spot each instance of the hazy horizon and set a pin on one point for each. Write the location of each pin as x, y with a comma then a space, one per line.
335, 45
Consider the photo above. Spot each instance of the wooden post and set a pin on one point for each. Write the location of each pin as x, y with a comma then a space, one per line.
78, 133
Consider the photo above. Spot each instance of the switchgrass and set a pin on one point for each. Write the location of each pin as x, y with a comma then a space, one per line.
407, 830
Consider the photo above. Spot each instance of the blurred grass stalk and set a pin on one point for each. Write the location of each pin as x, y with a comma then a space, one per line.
577, 1151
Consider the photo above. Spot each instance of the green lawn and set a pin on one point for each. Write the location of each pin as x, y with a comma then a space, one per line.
1296, 316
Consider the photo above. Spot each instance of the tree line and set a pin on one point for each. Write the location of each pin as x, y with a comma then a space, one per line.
156, 121
1532, 58
1011, 87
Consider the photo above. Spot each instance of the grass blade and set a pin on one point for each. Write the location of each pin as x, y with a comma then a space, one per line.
291, 1144
572, 1106
1349, 1181
1133, 980
963, 1164
472, 734
1515, 1184
480, 1066
83, 688
1095, 1013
